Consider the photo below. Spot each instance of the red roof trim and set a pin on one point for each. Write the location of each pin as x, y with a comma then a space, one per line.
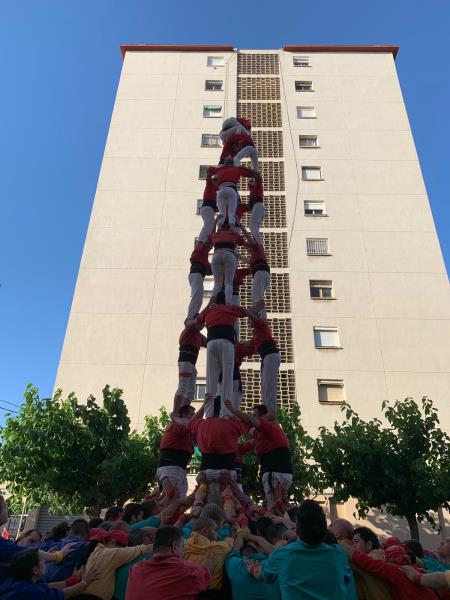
172, 48
392, 49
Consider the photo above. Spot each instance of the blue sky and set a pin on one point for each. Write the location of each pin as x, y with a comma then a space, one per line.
60, 68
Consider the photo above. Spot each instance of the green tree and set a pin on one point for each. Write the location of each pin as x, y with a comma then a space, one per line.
402, 466
65, 454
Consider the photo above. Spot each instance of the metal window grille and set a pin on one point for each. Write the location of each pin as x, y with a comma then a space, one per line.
214, 85
317, 246
210, 140
308, 141
303, 86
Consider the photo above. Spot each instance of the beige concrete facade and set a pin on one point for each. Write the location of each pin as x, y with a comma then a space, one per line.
391, 303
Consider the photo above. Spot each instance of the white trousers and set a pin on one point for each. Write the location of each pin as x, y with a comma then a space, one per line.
233, 127
237, 394
273, 480
223, 265
236, 301
197, 289
219, 359
247, 152
256, 218
187, 378
227, 200
236, 398
208, 215
217, 474
269, 380
174, 476
261, 280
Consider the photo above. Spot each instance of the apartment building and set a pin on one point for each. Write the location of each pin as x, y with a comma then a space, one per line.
359, 296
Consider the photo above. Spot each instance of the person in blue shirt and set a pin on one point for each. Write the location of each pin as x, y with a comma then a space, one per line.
308, 569
53, 540
78, 536
27, 569
243, 585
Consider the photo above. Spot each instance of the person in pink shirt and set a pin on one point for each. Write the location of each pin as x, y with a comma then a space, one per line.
166, 575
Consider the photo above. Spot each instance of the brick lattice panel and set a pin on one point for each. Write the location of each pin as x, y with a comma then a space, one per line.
278, 298
251, 388
275, 216
269, 143
258, 88
276, 246
272, 174
261, 115
258, 64
282, 332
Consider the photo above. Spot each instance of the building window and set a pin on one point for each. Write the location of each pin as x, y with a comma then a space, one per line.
210, 140
314, 208
208, 286
200, 390
326, 337
331, 391
214, 85
202, 171
320, 289
312, 173
215, 61
212, 110
199, 205
303, 86
308, 141
306, 112
300, 61
317, 247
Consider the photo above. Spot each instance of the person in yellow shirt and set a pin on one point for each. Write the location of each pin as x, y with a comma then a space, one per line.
106, 559
202, 543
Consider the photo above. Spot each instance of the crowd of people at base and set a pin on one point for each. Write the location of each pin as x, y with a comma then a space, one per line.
189, 548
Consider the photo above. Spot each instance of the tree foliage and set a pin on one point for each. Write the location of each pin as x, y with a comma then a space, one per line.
76, 455
402, 467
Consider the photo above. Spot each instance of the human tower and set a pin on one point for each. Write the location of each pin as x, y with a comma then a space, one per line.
217, 435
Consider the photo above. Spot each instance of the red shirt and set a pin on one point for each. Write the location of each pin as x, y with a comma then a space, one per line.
221, 314
193, 337
200, 255
243, 449
241, 350
210, 192
234, 143
261, 333
177, 437
216, 435
240, 275
401, 587
241, 209
226, 236
269, 436
231, 174
166, 577
257, 253
256, 190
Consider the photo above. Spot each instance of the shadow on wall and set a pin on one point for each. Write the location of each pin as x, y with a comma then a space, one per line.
386, 525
